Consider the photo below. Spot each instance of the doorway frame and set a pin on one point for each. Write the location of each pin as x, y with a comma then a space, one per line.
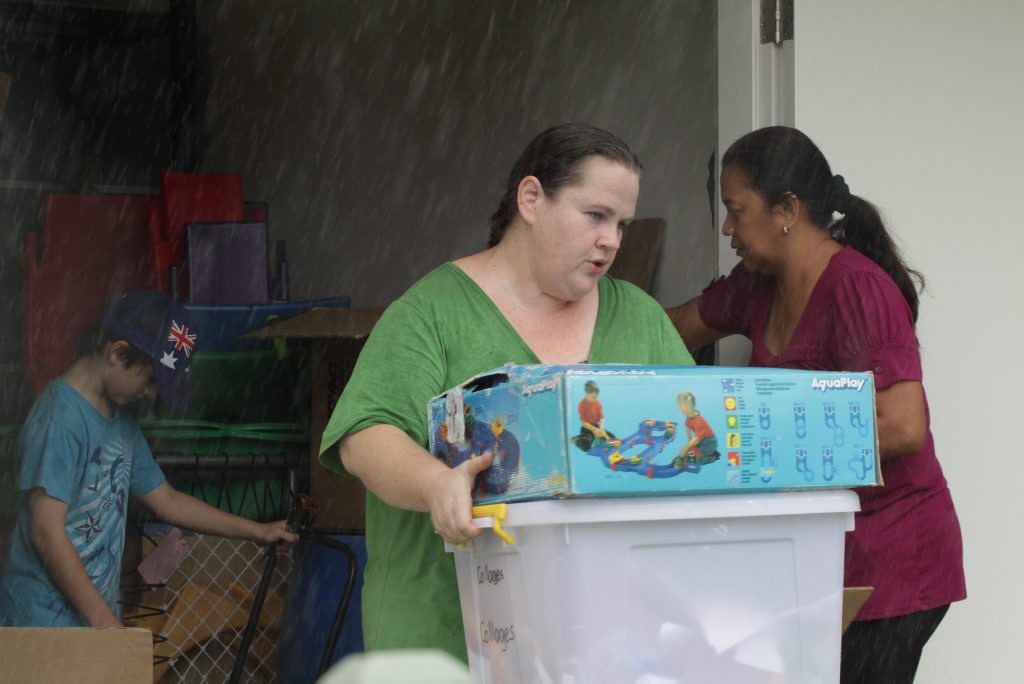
755, 89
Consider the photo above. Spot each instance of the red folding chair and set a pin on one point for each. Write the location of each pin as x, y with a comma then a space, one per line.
93, 247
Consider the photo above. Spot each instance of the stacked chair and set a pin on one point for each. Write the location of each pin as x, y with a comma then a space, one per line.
188, 198
92, 247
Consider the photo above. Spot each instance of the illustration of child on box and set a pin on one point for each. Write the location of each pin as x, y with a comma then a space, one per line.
591, 419
702, 445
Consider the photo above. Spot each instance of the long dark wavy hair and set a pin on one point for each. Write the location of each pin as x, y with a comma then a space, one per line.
779, 160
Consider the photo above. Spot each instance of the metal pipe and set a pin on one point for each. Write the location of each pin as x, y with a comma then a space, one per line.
230, 461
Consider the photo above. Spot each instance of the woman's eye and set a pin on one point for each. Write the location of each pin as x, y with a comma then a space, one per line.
596, 215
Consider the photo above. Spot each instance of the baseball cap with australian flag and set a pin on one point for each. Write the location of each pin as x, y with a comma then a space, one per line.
160, 326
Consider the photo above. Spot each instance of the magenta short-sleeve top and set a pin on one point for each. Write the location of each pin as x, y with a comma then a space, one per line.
907, 542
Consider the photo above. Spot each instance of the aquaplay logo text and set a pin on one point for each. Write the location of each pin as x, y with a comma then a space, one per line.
843, 383
542, 386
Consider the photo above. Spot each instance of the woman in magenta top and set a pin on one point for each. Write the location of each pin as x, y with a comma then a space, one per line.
816, 294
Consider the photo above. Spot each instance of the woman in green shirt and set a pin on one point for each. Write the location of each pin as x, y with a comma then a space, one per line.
538, 294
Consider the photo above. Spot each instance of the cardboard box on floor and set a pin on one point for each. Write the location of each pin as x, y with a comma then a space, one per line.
853, 599
43, 655
338, 336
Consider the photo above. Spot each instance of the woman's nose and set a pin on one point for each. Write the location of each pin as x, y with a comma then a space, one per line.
727, 227
610, 238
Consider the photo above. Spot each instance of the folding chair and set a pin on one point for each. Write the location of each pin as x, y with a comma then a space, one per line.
92, 248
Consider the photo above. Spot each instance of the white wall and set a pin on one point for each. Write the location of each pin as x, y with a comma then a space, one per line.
380, 132
920, 105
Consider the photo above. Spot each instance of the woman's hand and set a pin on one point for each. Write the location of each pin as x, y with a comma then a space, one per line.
450, 499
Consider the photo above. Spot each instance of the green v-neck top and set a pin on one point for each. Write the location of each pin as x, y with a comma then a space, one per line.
441, 332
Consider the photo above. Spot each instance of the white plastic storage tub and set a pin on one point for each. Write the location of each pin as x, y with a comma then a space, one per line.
728, 588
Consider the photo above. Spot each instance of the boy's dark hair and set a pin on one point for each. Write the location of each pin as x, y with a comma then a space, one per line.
94, 339
591, 386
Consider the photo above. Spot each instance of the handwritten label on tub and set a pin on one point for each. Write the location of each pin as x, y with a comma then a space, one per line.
497, 578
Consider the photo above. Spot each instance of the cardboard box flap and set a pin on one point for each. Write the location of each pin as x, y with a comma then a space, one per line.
853, 599
480, 381
76, 654
515, 373
323, 323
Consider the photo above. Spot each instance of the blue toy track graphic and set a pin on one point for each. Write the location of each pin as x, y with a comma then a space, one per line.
830, 422
612, 451
828, 464
768, 462
802, 467
857, 421
800, 420
862, 463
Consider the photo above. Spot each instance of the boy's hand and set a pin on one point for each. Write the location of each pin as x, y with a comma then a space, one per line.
106, 621
277, 532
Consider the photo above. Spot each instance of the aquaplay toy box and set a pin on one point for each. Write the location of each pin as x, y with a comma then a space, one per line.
615, 430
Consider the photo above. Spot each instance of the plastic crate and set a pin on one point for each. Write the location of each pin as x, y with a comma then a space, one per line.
741, 587
261, 497
244, 387
195, 437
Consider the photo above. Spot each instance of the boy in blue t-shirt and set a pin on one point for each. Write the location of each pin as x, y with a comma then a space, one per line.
80, 455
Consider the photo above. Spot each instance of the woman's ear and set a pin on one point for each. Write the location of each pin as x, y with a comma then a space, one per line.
528, 194
790, 208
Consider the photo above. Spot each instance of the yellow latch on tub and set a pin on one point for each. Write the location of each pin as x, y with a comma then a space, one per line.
496, 511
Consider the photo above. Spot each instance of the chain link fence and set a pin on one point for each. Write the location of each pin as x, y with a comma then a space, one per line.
199, 613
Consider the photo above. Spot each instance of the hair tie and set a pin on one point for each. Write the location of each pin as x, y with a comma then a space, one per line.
840, 192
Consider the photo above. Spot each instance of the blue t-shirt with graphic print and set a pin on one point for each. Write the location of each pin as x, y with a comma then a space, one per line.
92, 463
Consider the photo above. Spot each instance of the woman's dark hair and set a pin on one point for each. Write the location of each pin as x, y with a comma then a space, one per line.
779, 160
94, 339
554, 157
